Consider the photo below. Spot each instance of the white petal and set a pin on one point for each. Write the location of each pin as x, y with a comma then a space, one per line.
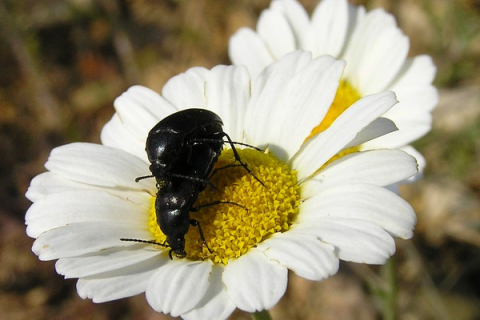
376, 53
363, 202
227, 92
410, 129
377, 167
106, 260
63, 208
247, 48
99, 165
295, 92
421, 162
356, 14
140, 108
417, 97
187, 90
122, 283
305, 255
329, 27
49, 183
316, 151
420, 99
298, 20
412, 124
354, 239
275, 31
170, 289
377, 128
415, 72
114, 134
85, 237
255, 283
215, 305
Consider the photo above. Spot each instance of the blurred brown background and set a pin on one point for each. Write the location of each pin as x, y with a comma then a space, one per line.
62, 63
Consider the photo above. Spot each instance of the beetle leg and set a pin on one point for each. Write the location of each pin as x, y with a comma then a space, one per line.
214, 203
246, 145
224, 167
196, 179
195, 223
237, 158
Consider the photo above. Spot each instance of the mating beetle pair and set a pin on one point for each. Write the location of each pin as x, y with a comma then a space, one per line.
182, 149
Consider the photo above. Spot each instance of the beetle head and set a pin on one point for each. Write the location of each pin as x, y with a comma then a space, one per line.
177, 247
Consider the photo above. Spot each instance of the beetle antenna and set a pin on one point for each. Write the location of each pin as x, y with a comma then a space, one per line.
143, 177
144, 241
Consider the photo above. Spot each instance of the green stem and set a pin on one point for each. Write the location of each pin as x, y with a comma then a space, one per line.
261, 315
390, 302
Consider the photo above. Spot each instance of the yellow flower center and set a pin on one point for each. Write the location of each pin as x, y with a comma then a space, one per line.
346, 96
258, 211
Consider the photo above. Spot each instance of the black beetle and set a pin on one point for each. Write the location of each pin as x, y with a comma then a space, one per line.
173, 206
182, 149
172, 143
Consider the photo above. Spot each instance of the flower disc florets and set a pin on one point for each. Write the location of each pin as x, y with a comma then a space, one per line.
254, 211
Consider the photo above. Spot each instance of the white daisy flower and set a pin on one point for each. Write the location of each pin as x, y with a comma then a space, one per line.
374, 48
315, 207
